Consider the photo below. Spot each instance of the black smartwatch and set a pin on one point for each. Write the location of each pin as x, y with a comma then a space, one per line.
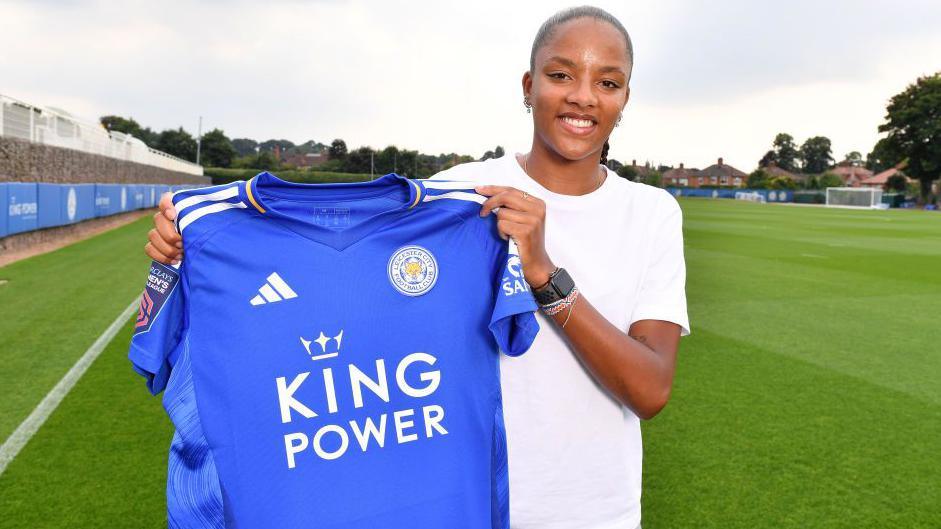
559, 286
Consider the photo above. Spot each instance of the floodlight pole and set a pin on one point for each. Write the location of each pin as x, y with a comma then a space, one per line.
199, 139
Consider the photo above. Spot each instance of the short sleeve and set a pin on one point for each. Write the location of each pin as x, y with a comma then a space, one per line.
662, 294
159, 327
512, 323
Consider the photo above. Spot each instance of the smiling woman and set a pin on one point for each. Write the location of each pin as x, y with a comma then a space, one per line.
613, 317
614, 77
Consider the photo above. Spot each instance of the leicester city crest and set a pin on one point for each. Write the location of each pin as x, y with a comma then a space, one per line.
413, 271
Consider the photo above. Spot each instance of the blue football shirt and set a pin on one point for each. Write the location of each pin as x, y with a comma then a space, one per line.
329, 354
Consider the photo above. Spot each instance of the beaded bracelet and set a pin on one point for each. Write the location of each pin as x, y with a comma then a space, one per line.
558, 306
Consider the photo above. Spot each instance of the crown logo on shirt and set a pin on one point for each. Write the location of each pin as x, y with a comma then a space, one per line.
323, 340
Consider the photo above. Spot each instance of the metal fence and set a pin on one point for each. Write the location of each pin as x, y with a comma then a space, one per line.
58, 128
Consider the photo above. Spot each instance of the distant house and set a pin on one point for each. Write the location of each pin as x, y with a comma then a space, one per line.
722, 174
851, 174
681, 176
774, 171
311, 159
640, 170
879, 180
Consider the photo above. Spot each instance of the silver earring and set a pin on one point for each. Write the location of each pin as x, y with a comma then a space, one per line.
618, 122
528, 105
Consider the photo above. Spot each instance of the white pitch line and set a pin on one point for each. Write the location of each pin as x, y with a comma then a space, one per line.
25, 431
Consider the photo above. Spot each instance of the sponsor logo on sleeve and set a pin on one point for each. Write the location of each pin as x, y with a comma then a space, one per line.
160, 284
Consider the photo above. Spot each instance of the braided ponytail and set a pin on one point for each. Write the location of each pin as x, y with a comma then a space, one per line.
604, 153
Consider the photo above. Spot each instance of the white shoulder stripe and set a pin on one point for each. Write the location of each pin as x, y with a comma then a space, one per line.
448, 184
459, 195
202, 212
222, 194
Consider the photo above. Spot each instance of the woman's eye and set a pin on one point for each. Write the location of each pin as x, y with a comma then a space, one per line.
558, 75
610, 84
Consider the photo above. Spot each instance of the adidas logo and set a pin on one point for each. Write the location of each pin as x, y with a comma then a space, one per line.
273, 290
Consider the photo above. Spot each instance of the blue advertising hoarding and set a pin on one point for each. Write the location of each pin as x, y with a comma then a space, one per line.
770, 195
22, 207
26, 206
48, 211
3, 209
76, 202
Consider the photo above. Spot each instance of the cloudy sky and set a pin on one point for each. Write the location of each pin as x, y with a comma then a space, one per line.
716, 78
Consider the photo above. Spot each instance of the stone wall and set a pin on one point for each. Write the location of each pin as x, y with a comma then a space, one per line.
22, 161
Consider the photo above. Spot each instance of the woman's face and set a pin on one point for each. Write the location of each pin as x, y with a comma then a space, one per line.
578, 87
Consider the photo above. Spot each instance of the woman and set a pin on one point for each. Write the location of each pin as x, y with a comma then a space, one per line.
617, 309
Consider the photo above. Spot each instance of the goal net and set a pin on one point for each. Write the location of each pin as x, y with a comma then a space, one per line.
750, 196
854, 197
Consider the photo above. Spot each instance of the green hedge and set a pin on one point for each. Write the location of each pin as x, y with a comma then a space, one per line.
224, 176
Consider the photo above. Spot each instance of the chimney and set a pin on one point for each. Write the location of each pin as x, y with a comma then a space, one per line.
634, 163
720, 161
681, 165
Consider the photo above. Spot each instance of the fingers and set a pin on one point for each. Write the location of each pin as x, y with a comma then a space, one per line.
513, 215
514, 199
155, 255
508, 228
160, 245
167, 231
166, 206
492, 190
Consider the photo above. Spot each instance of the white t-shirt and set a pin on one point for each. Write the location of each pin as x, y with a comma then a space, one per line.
574, 452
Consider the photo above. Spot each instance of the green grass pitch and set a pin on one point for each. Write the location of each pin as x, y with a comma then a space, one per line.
808, 395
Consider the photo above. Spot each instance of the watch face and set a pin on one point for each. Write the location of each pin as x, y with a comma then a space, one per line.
563, 283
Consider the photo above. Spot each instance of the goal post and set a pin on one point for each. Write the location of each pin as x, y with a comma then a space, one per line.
854, 197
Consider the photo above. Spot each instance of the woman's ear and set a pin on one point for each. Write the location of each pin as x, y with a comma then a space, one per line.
527, 83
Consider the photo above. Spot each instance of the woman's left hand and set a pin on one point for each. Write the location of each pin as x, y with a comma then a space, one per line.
522, 217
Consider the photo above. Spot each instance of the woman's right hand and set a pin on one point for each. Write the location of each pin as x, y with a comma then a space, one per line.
166, 245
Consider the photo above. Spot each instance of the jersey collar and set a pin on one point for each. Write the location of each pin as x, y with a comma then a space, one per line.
264, 185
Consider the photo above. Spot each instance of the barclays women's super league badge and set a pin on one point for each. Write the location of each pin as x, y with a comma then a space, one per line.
413, 271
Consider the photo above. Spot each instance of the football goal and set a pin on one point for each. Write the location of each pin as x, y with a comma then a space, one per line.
854, 197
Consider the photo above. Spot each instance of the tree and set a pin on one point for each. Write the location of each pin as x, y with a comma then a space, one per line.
337, 150
913, 124
177, 142
758, 179
269, 145
266, 161
829, 180
359, 160
654, 178
245, 146
628, 172
785, 152
613, 164
496, 153
781, 182
216, 150
854, 158
387, 160
896, 182
129, 126
815, 154
769, 158
881, 157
